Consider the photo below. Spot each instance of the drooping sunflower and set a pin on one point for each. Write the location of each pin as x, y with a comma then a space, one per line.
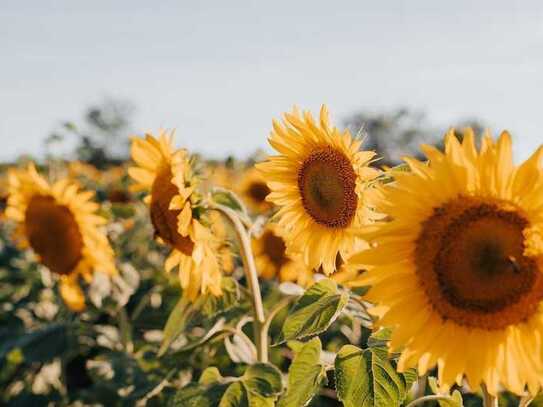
222, 245
177, 218
254, 190
273, 261
60, 224
319, 180
458, 271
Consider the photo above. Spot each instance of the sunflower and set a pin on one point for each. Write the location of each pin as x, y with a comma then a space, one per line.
220, 176
221, 244
3, 195
60, 225
80, 169
272, 259
176, 214
458, 271
254, 190
319, 180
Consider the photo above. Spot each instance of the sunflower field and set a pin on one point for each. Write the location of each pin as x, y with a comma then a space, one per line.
323, 274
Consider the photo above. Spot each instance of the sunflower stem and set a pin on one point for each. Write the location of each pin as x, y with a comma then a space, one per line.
274, 311
259, 322
126, 330
421, 386
525, 400
488, 399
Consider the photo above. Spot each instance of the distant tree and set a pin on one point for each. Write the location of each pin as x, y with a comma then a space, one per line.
101, 135
391, 134
400, 132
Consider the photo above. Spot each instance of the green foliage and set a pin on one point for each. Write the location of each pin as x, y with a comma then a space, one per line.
367, 378
305, 375
228, 198
380, 338
176, 323
314, 312
263, 379
41, 345
235, 396
212, 306
140, 342
537, 401
196, 395
205, 308
259, 386
452, 400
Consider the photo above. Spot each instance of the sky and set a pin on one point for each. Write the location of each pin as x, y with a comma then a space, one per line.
219, 71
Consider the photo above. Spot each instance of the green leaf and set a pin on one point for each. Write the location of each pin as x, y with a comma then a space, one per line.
122, 211
380, 338
257, 400
258, 387
432, 382
40, 345
305, 375
196, 395
314, 312
366, 378
296, 346
235, 396
227, 198
175, 325
409, 377
210, 375
537, 401
211, 305
206, 307
361, 291
378, 342
263, 379
455, 399
126, 373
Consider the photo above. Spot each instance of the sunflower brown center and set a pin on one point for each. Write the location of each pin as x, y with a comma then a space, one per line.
53, 233
258, 191
274, 248
327, 184
470, 257
118, 196
165, 220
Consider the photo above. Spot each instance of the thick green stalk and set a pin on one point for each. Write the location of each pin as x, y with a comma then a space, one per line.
259, 322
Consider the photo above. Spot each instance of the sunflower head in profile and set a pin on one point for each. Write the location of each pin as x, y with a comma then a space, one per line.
319, 180
178, 219
222, 244
254, 190
458, 271
58, 222
273, 261
3, 195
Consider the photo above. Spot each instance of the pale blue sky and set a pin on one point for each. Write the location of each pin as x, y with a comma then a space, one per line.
220, 71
